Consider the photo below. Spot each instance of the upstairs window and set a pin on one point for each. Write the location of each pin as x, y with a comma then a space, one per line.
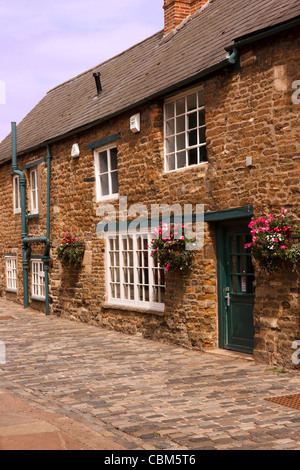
16, 194
34, 191
106, 169
185, 141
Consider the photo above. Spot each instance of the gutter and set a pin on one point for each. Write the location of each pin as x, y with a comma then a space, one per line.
259, 36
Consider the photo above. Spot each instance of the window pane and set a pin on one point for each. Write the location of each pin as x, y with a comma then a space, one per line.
114, 182
192, 102
169, 110
170, 147
202, 135
103, 162
181, 160
180, 106
193, 157
180, 142
192, 119
192, 138
180, 124
203, 154
104, 184
171, 162
202, 117
113, 159
200, 98
33, 179
170, 127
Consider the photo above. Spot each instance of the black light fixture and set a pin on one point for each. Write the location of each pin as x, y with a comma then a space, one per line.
97, 76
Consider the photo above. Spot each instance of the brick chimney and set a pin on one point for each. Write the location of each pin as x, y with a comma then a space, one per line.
178, 10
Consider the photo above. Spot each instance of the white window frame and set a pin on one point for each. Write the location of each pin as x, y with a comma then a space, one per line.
11, 272
109, 172
34, 192
179, 137
38, 280
16, 194
127, 276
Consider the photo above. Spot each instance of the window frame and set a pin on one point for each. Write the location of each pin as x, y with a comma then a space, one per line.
185, 131
137, 270
38, 286
13, 270
97, 152
34, 192
17, 194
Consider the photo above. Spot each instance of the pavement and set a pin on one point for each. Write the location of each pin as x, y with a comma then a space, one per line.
66, 385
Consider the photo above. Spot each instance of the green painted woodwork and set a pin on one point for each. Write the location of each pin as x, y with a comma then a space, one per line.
236, 280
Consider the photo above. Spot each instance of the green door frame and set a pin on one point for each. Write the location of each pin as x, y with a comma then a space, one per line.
222, 216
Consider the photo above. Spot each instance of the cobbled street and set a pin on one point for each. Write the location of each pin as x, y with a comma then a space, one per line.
143, 394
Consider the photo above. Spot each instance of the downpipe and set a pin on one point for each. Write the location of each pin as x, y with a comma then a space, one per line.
26, 241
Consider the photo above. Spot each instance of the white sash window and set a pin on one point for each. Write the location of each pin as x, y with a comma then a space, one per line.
133, 276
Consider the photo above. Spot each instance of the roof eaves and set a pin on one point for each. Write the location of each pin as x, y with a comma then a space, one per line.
264, 33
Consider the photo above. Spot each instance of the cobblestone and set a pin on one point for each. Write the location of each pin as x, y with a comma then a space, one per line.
144, 394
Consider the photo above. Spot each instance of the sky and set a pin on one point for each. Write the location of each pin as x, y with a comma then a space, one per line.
44, 43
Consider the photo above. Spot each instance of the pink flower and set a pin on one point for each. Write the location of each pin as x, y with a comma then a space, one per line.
283, 247
167, 267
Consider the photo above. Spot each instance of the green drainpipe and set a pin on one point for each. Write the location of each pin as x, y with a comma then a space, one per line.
20, 173
46, 257
26, 241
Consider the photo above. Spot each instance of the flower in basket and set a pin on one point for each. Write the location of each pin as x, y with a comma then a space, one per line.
169, 248
269, 240
70, 251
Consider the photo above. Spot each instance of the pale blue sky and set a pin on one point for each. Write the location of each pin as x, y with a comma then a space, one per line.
44, 43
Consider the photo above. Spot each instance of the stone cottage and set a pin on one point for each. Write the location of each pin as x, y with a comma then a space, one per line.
201, 117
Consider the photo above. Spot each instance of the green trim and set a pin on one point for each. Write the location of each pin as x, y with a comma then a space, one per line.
9, 254
220, 276
235, 213
214, 216
104, 141
33, 164
32, 216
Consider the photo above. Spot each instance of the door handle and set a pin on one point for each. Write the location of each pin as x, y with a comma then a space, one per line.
227, 296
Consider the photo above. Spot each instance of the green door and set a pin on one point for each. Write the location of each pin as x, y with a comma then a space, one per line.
235, 286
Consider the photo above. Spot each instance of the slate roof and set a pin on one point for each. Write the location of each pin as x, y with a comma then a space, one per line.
148, 69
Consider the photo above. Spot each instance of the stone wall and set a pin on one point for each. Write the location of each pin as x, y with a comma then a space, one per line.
277, 317
249, 112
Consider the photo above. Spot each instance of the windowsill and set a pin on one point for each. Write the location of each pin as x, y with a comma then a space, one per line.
133, 308
198, 165
17, 211
39, 299
109, 197
12, 291
32, 216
